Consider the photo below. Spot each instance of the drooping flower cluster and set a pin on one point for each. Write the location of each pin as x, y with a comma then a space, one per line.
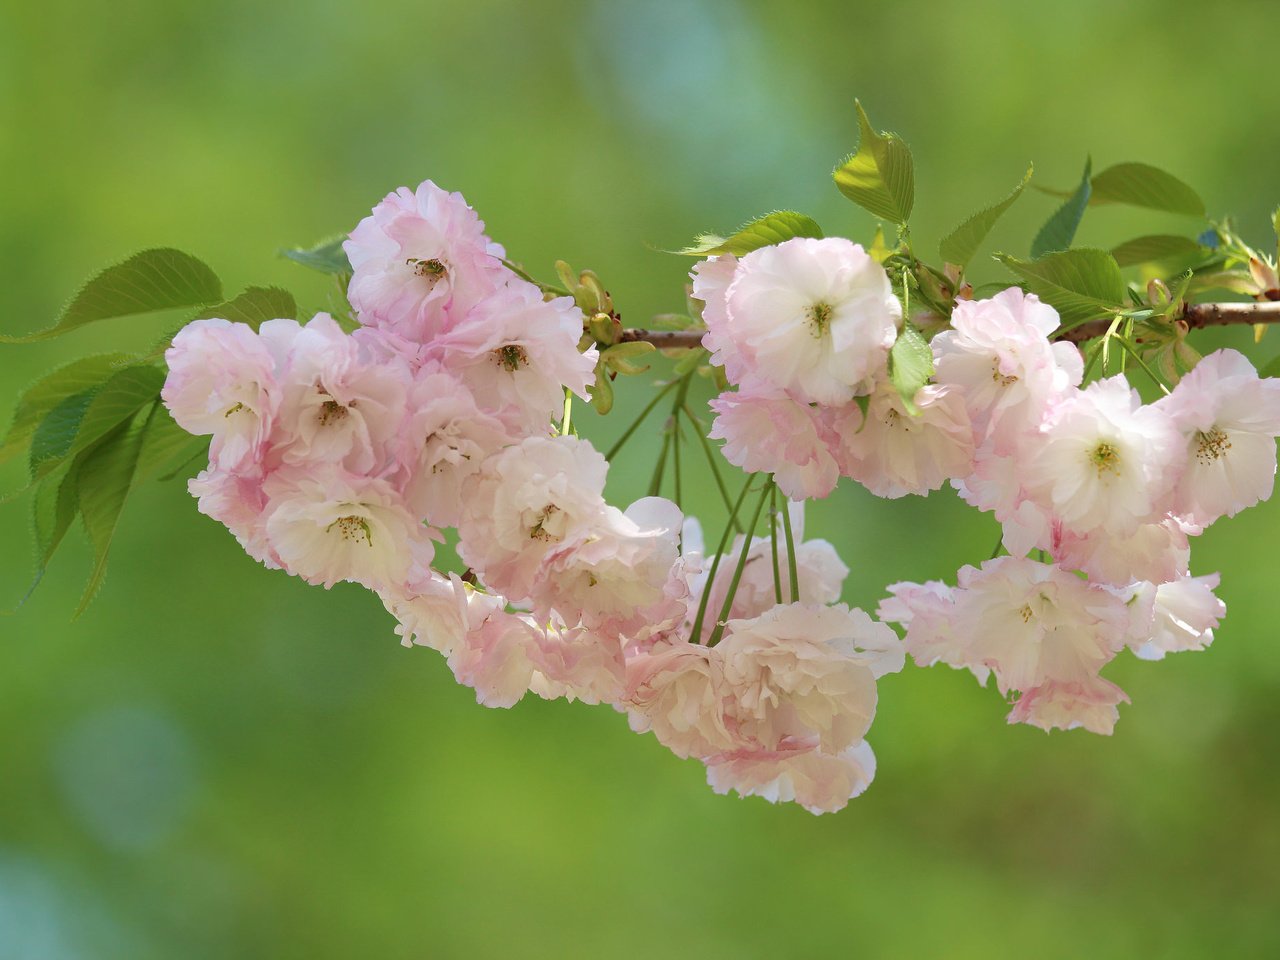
1094, 479
803, 330
342, 456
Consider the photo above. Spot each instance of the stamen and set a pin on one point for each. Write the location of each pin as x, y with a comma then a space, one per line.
433, 270
1026, 613
331, 411
539, 531
820, 318
998, 377
352, 528
1105, 459
511, 357
1211, 445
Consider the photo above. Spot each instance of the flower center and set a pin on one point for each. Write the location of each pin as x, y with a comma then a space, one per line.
331, 411
433, 270
1105, 459
998, 377
1026, 613
236, 409
539, 529
511, 357
819, 318
352, 528
1212, 445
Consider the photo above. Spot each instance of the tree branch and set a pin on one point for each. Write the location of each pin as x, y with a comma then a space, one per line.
1194, 315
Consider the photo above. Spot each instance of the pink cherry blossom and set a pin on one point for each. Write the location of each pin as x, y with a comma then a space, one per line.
894, 452
420, 261
518, 353
340, 404
525, 501
443, 444
814, 318
1228, 419
612, 575
1106, 460
677, 691
327, 525
778, 435
1174, 616
1090, 703
802, 670
998, 358
237, 501
795, 770
222, 381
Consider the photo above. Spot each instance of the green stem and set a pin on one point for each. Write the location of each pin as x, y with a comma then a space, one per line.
566, 424
791, 553
773, 542
635, 425
711, 460
718, 632
715, 564
1143, 364
675, 450
655, 483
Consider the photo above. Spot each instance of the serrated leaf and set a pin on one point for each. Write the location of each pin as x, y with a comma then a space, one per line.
54, 508
50, 390
253, 306
1157, 248
879, 250
326, 257
1142, 185
962, 243
86, 417
104, 479
1081, 284
910, 365
1060, 229
772, 228
153, 280
166, 446
880, 177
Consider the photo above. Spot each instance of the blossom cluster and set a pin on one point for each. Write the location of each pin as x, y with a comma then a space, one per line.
341, 456
1105, 488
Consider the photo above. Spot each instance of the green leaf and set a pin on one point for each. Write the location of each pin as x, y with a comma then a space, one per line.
1060, 229
86, 417
1157, 248
104, 479
167, 446
765, 231
327, 257
254, 306
149, 281
50, 390
1081, 284
1142, 185
910, 365
962, 243
880, 177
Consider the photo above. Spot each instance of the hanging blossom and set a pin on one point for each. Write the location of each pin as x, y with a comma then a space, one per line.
345, 456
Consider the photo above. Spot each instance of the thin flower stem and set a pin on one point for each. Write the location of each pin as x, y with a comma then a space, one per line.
655, 484
566, 423
715, 564
773, 541
1143, 364
648, 409
696, 426
675, 451
791, 552
718, 632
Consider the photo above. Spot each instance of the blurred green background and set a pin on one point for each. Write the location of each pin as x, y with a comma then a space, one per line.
221, 761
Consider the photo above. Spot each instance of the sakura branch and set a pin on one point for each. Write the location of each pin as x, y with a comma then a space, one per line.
343, 453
